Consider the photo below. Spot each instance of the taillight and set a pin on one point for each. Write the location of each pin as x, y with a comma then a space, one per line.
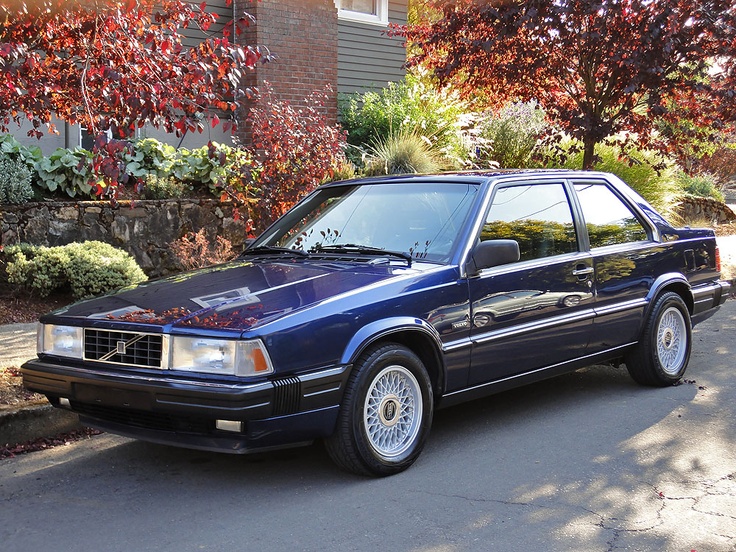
718, 259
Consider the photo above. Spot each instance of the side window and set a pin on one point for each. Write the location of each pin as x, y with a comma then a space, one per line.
608, 219
538, 216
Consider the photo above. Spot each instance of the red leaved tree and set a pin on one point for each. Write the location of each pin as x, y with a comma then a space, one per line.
597, 67
294, 150
117, 65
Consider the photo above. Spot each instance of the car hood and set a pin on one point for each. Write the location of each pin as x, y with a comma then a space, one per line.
239, 295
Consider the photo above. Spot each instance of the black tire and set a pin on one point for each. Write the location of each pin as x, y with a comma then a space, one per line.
661, 356
385, 415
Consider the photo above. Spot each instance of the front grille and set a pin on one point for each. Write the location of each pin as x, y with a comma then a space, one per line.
129, 348
144, 420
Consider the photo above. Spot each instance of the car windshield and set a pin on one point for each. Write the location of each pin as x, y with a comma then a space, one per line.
421, 220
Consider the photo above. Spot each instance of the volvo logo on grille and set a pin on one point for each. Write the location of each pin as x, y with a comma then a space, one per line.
121, 347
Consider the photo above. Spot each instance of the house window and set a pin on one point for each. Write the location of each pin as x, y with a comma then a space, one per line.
365, 11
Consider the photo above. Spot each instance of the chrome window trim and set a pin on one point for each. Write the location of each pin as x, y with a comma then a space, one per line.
534, 263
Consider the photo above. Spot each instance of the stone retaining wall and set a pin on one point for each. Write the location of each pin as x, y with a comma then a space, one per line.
692, 208
144, 228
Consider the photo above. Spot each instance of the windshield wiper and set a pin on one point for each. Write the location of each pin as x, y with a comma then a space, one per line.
348, 248
273, 250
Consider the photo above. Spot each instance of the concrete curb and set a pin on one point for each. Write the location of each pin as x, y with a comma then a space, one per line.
35, 422
20, 425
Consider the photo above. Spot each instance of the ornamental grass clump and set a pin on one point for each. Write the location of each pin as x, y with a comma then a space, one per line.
402, 153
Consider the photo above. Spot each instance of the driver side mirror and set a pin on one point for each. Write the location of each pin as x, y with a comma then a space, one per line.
490, 253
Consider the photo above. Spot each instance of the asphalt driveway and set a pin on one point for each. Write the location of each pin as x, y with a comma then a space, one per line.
588, 461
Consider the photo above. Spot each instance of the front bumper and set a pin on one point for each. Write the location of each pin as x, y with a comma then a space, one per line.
189, 412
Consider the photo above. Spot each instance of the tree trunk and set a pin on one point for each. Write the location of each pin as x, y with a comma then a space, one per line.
589, 153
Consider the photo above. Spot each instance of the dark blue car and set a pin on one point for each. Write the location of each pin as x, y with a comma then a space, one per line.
374, 302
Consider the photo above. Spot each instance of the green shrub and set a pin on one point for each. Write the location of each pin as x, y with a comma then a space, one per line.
213, 165
15, 180
508, 139
344, 170
401, 154
29, 155
156, 187
88, 268
69, 171
150, 156
412, 106
702, 185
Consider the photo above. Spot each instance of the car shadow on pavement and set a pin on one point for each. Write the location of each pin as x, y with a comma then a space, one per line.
581, 451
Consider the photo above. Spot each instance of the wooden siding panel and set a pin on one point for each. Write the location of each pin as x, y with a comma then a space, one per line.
368, 59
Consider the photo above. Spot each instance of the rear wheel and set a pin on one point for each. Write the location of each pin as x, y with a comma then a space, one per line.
386, 413
661, 356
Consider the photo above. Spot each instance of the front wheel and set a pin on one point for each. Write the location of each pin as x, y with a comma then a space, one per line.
661, 356
386, 413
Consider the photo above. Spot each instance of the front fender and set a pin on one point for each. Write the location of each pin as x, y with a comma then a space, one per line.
381, 328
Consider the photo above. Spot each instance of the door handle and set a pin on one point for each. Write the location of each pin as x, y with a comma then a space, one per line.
583, 270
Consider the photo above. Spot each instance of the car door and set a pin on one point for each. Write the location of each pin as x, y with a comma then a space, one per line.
625, 258
538, 311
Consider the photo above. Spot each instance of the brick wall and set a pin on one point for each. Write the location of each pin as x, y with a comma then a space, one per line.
302, 35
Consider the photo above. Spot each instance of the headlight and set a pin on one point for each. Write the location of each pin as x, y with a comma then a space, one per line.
59, 340
219, 356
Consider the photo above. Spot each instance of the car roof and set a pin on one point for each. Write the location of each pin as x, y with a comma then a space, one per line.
474, 176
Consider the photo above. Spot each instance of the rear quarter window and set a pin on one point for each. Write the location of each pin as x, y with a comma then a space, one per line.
608, 219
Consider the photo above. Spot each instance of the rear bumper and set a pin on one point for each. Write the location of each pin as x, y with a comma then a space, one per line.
708, 298
211, 415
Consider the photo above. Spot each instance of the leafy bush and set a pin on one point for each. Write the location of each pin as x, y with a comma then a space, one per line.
15, 180
702, 185
74, 173
412, 106
212, 165
194, 250
69, 171
344, 170
508, 139
160, 187
150, 156
29, 155
294, 150
88, 268
215, 165
400, 154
